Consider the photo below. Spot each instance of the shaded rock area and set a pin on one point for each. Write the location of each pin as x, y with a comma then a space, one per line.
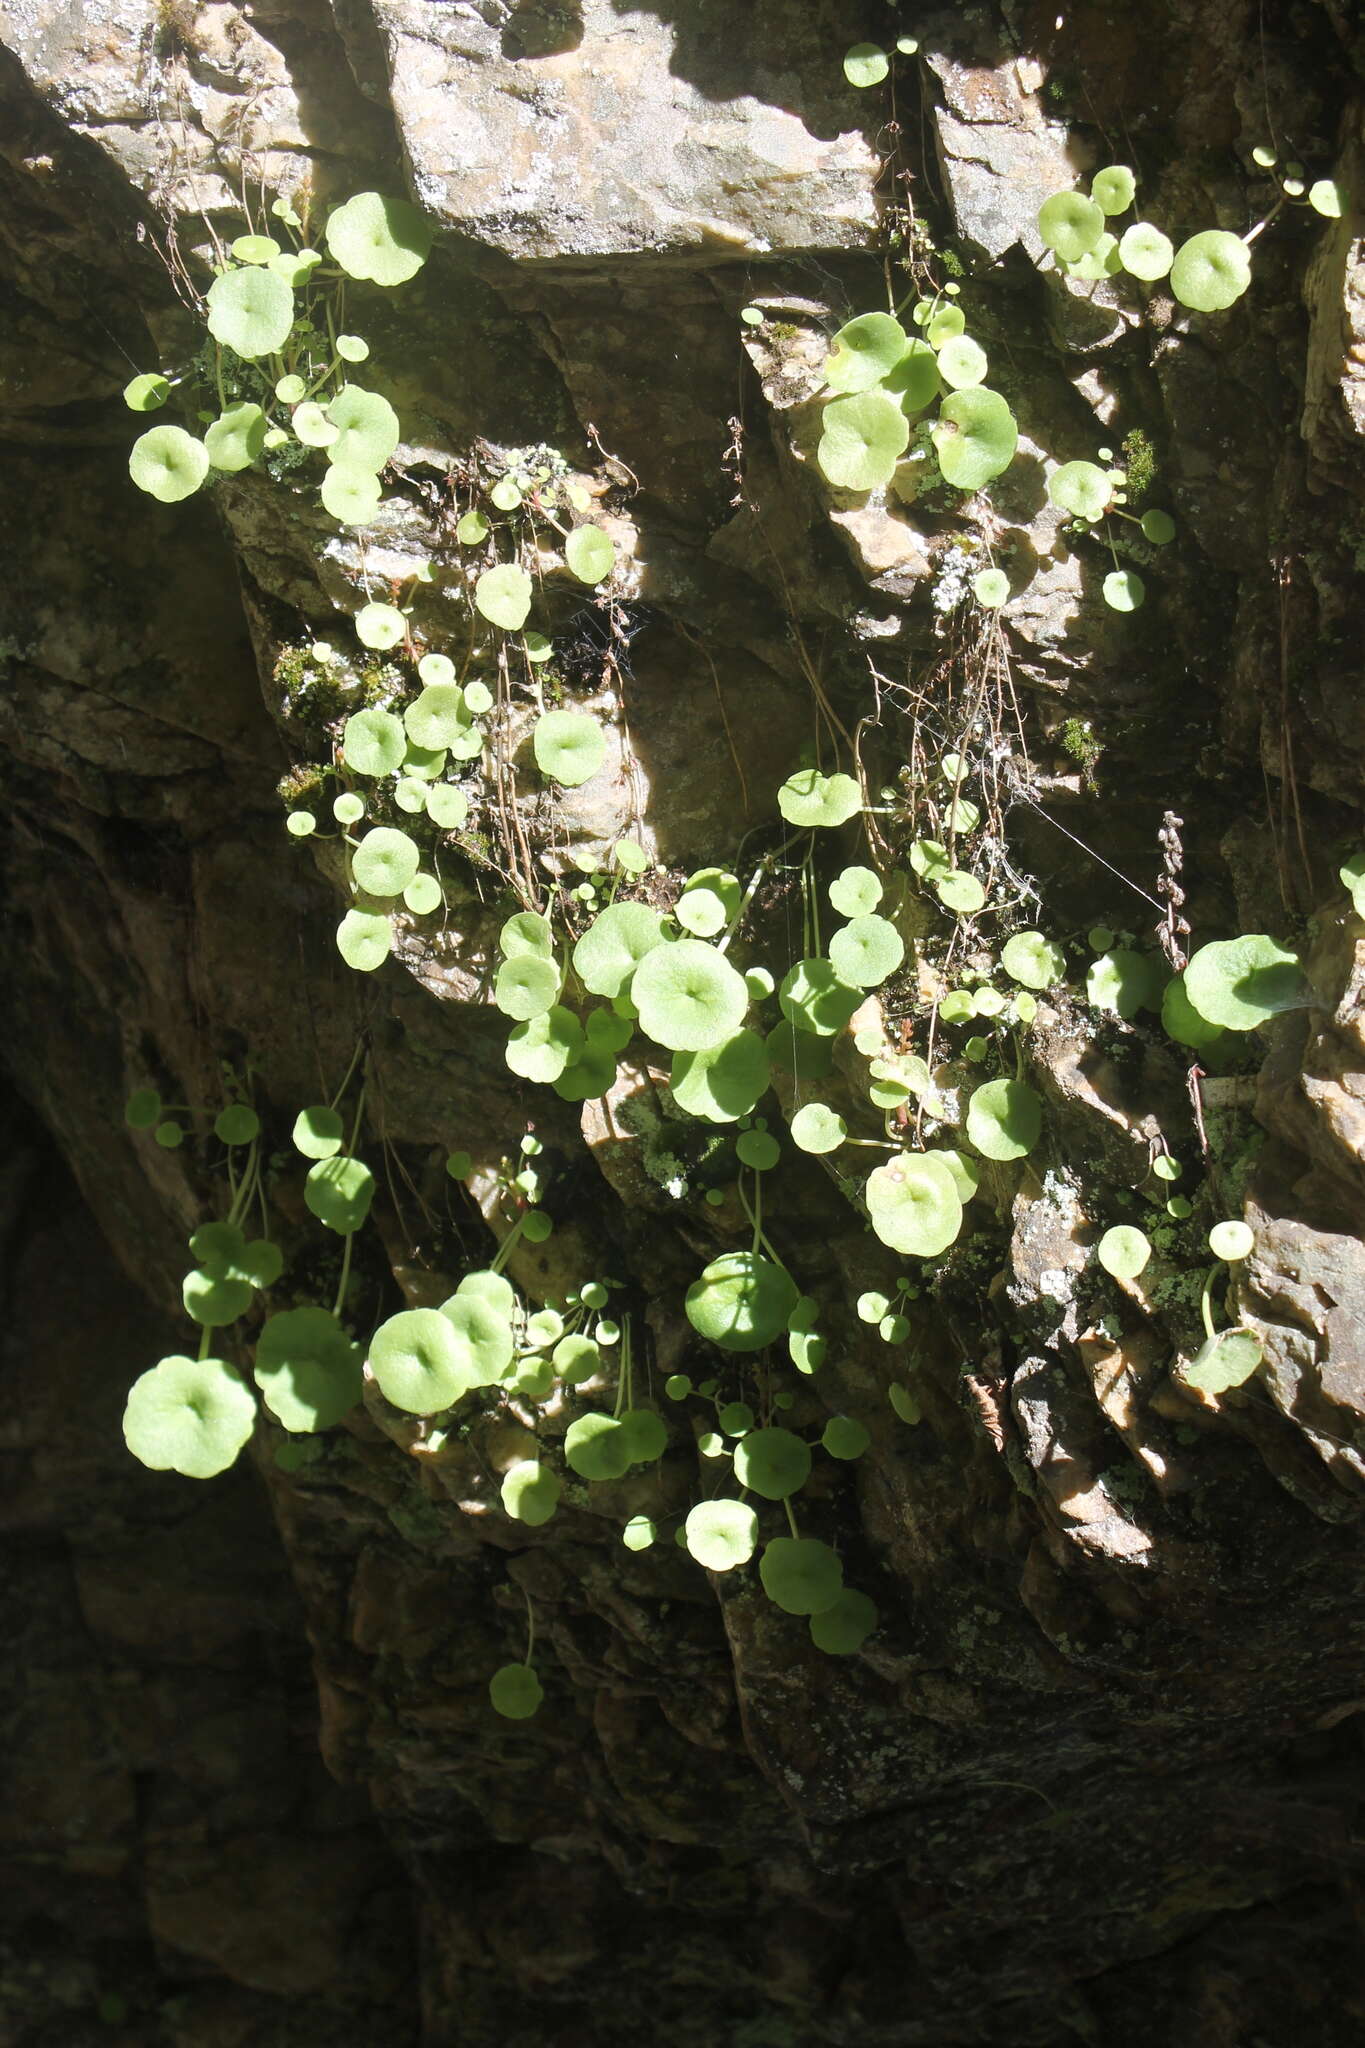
1097, 1777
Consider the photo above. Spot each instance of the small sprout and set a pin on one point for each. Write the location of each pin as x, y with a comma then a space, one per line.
721, 1534
339, 1192
812, 799
741, 1301
380, 625
1231, 1241
914, 1204
1113, 189
1124, 590
365, 939
1004, 1119
991, 588
801, 1575
865, 64
189, 1415
590, 554
1081, 488
168, 464
515, 1692
1211, 271
385, 241
251, 312
1123, 1251
503, 596
843, 1627
689, 996
975, 437
863, 438
147, 393
962, 362
307, 1368
1070, 224
844, 1438
1241, 983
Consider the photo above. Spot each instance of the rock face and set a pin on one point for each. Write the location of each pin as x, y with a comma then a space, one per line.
1091, 1777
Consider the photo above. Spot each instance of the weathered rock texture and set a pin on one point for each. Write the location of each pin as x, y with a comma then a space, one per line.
1097, 1776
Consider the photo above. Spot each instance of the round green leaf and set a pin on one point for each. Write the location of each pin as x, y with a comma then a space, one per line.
962, 362
1125, 982
815, 999
384, 240
365, 939
991, 588
1231, 1240
147, 393
914, 382
1124, 1251
1004, 1119
1113, 189
352, 348
318, 1132
374, 743
1325, 197
307, 1368
1211, 271
864, 351
503, 596
818, 1128
1081, 488
865, 952
530, 1492
385, 861
844, 1438
914, 1204
843, 1628
607, 955
380, 625
596, 1448
855, 892
801, 1575
1033, 960
569, 747
865, 64
960, 892
238, 1124
644, 1435
1070, 224
1240, 983
189, 1415
772, 1462
1145, 252
1227, 1360
339, 1192
142, 1109
741, 1301
1124, 590
590, 554
1158, 527
479, 1312
168, 464
540, 1048
446, 806
515, 1692
944, 324
863, 438
721, 1534
526, 986
810, 798
975, 437
419, 1362
437, 716
721, 1082
367, 429
423, 895
689, 996
236, 438
214, 1299
351, 494
251, 312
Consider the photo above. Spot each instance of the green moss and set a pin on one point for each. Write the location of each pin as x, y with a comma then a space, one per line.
1076, 737
1139, 459
304, 788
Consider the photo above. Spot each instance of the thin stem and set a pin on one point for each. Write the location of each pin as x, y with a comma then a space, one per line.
791, 1518
205, 1339
530, 1626
1206, 1304
345, 1280
359, 1048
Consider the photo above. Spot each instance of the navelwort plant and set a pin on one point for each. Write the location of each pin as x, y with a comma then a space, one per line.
693, 975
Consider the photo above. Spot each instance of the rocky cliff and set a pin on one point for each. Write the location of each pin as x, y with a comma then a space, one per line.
1095, 1775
